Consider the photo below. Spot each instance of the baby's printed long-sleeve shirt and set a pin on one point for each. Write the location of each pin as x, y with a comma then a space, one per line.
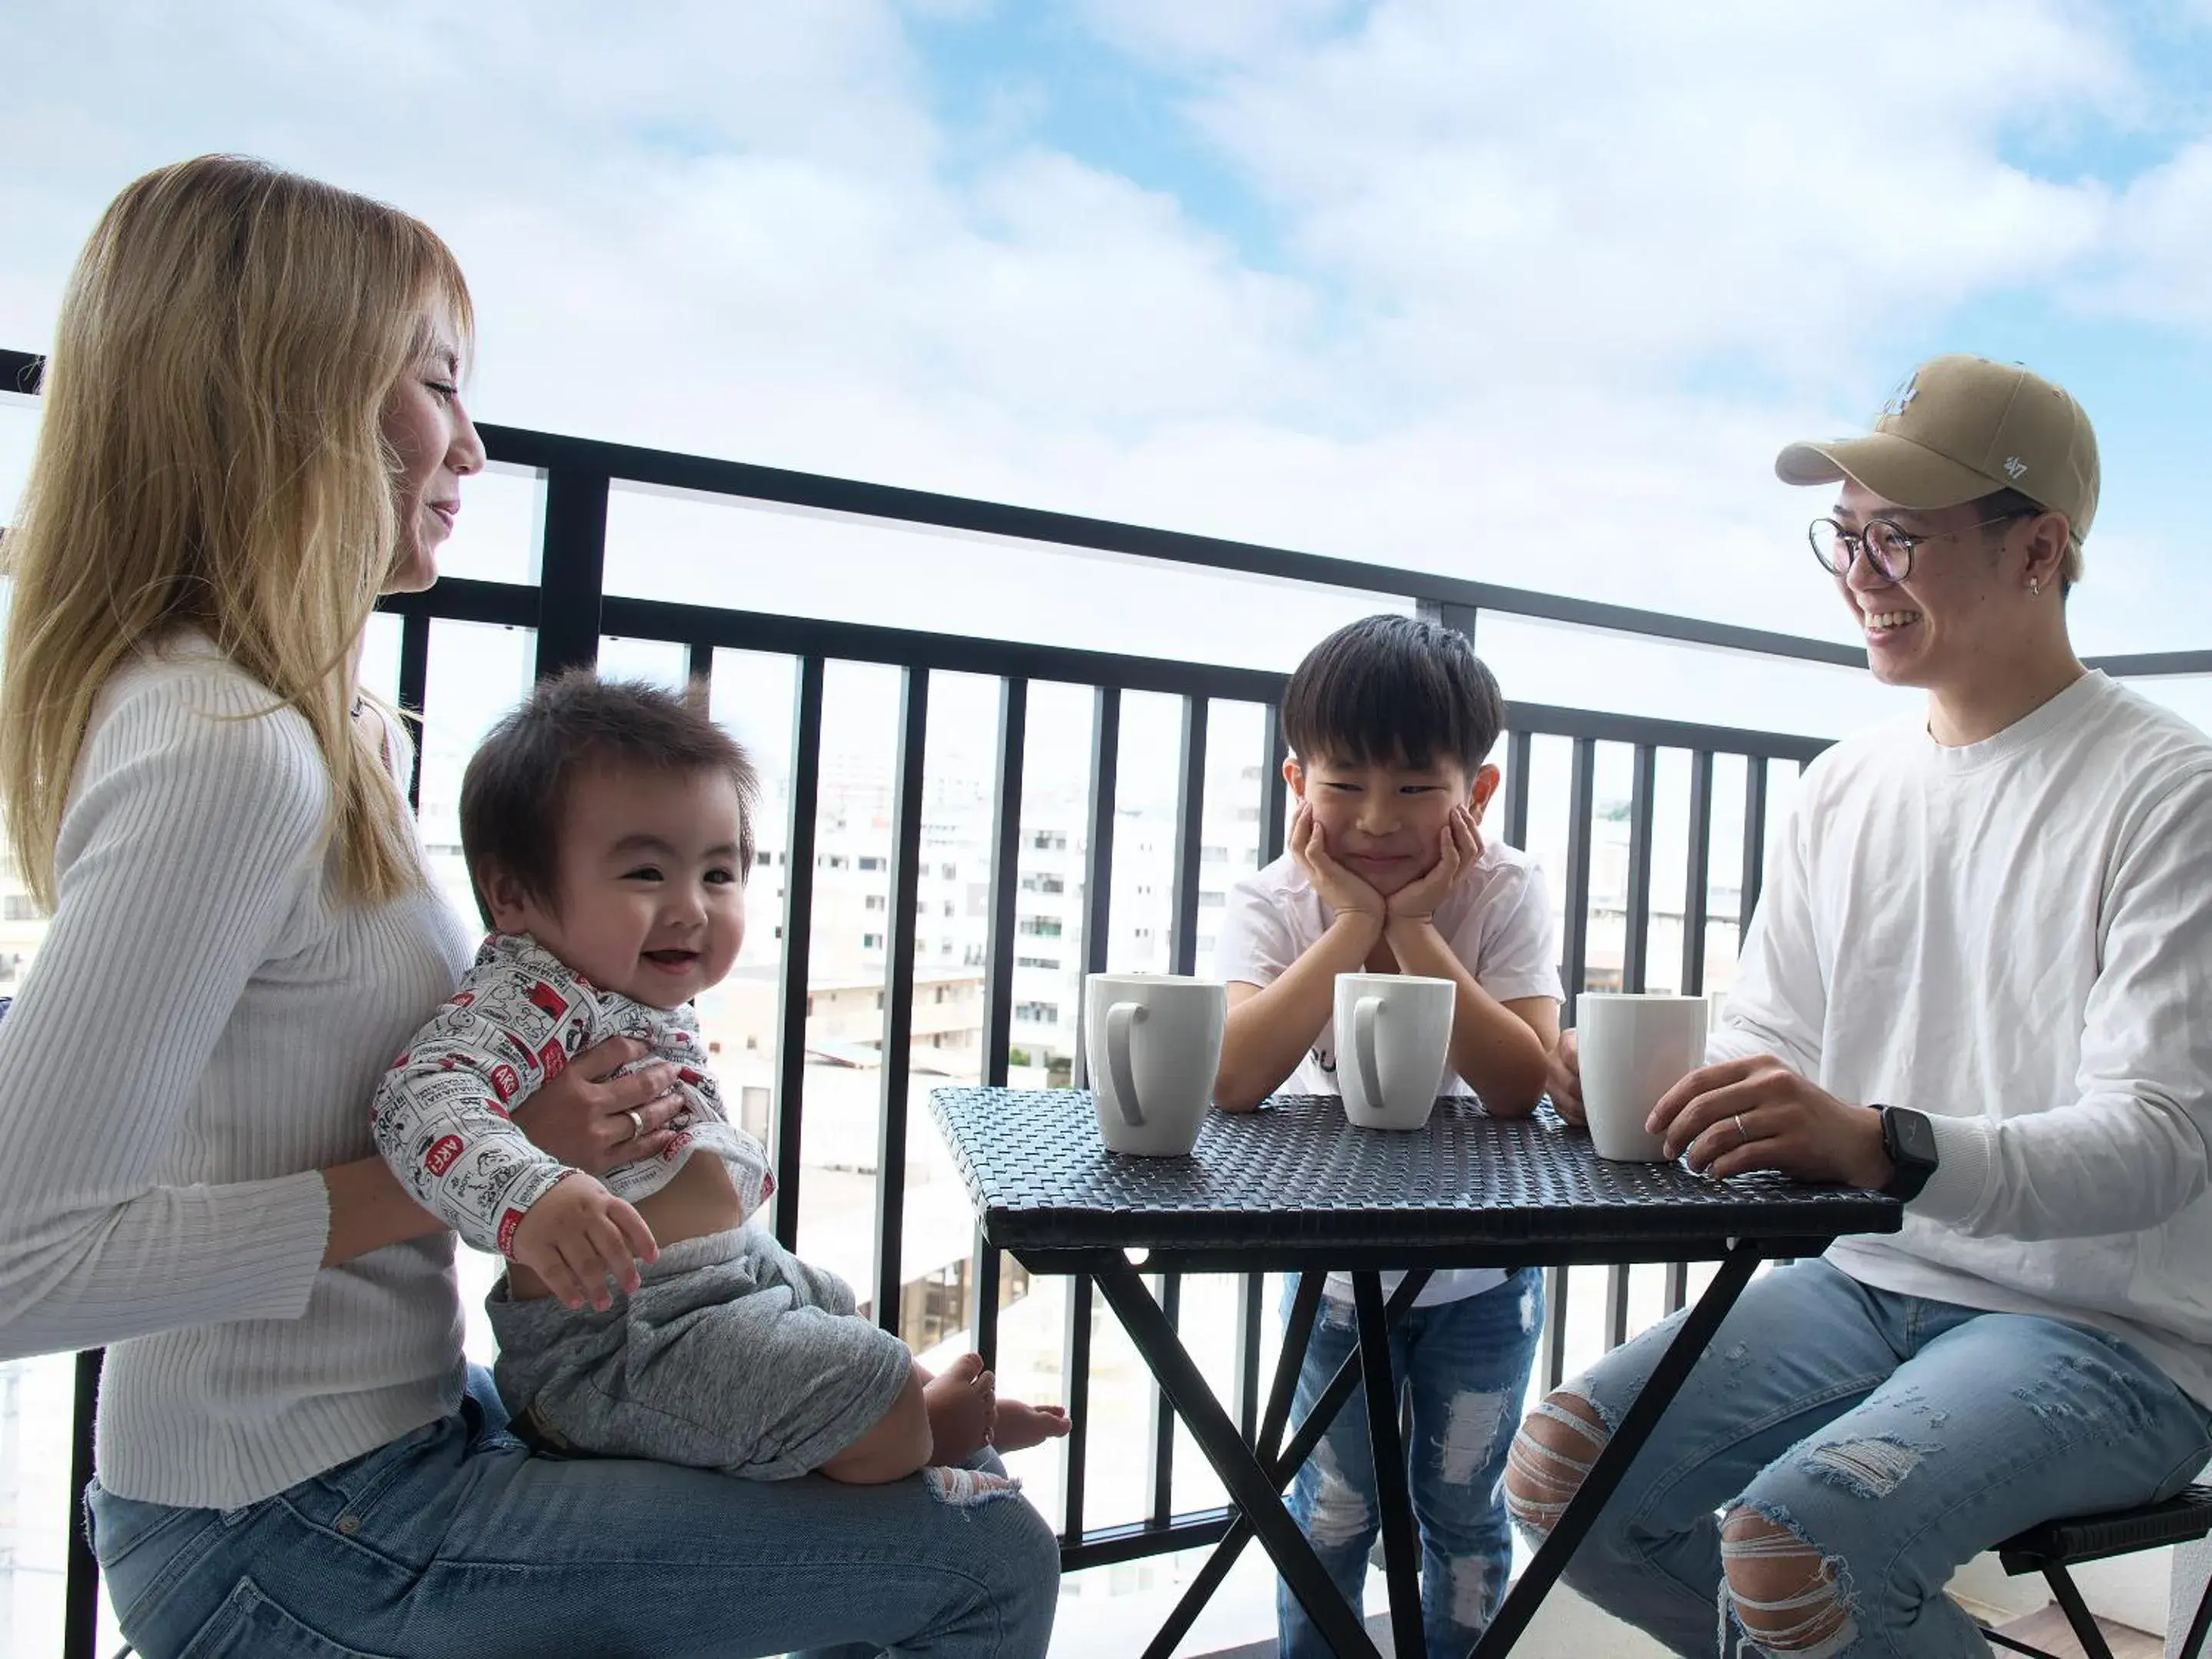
519, 1016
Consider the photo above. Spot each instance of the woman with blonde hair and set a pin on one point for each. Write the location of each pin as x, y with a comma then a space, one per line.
251, 428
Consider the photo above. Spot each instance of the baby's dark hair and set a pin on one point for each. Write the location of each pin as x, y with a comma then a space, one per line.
1393, 690
515, 795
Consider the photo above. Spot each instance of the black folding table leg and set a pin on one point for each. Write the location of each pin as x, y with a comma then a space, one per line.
2193, 1644
1299, 1333
1604, 1473
2077, 1611
1248, 1484
1392, 1499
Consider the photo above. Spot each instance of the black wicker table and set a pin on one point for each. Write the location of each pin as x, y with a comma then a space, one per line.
1293, 1187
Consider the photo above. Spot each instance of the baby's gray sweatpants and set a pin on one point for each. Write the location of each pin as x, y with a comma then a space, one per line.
732, 1355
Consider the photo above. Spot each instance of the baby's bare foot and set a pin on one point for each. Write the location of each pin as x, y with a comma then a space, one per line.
961, 1405
1020, 1427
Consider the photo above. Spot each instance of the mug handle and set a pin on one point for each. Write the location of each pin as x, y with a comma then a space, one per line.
1119, 1018
1362, 1049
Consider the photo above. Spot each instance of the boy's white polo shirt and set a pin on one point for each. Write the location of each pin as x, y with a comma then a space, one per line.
1497, 922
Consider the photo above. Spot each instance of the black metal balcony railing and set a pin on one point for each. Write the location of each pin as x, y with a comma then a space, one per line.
570, 612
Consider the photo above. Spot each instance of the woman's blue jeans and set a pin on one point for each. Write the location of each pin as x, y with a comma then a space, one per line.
1896, 1437
458, 1540
1465, 1365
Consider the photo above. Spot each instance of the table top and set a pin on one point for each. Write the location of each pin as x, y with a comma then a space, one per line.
1294, 1181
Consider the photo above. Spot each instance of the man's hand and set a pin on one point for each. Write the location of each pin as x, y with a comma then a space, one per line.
1563, 1078
579, 1235
1459, 844
1342, 892
1757, 1114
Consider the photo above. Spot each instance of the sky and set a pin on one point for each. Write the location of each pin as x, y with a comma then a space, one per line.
1530, 294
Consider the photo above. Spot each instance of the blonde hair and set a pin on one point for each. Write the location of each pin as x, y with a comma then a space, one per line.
211, 456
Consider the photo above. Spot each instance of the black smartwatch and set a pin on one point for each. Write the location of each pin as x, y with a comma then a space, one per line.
1910, 1141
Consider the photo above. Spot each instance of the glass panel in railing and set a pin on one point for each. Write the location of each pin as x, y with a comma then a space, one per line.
475, 674
500, 528
656, 662
2189, 695
19, 436
692, 547
1623, 673
380, 656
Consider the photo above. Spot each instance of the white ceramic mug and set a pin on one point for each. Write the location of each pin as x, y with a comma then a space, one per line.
1632, 1048
1393, 1042
1152, 1042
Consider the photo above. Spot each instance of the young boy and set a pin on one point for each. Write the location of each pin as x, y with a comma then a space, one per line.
1390, 723
608, 834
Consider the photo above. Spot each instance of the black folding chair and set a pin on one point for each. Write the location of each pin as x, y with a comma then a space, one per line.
2052, 1547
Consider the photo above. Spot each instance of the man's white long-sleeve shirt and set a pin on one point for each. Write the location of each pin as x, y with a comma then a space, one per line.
2014, 937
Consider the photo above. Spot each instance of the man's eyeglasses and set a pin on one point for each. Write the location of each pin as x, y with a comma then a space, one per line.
1888, 546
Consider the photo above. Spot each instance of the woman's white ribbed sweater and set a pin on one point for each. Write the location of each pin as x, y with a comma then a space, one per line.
200, 1033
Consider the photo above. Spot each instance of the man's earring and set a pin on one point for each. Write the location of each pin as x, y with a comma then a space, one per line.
2035, 587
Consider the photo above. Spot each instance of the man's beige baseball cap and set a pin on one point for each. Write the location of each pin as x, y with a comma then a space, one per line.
1960, 428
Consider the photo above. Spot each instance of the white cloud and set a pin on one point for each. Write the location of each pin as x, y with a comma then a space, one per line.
1527, 254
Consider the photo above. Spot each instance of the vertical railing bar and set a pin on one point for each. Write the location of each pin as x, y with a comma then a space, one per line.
699, 671
414, 692
1460, 618
1005, 878
1574, 972
1678, 1285
80, 1586
1635, 941
572, 569
797, 942
1252, 1292
1697, 878
998, 976
1555, 1325
1190, 822
1520, 755
1076, 1367
897, 1068
983, 1315
1754, 843
1098, 914
1616, 1304
1251, 1313
1098, 854
1162, 1507
1273, 794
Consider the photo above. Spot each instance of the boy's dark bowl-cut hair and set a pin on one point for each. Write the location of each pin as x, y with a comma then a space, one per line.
1393, 690
515, 795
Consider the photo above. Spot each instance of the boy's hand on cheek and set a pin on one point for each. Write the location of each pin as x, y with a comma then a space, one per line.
1458, 846
1340, 890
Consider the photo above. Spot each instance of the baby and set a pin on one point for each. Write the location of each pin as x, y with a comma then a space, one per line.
607, 829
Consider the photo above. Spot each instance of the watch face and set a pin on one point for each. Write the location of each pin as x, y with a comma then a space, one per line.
1916, 1137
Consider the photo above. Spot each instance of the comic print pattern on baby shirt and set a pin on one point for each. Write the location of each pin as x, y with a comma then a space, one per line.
441, 1115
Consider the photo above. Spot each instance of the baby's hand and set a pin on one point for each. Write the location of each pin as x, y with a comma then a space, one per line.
578, 1236
1019, 1427
961, 1403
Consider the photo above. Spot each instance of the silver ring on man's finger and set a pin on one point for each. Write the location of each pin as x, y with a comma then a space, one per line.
636, 1123
1740, 1130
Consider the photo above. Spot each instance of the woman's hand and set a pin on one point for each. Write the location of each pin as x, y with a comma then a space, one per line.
593, 1121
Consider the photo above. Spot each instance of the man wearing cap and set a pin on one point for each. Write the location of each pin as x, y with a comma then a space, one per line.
1980, 979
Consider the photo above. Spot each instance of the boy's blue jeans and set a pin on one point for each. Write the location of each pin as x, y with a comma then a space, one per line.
1898, 1437
1467, 1365
455, 1540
